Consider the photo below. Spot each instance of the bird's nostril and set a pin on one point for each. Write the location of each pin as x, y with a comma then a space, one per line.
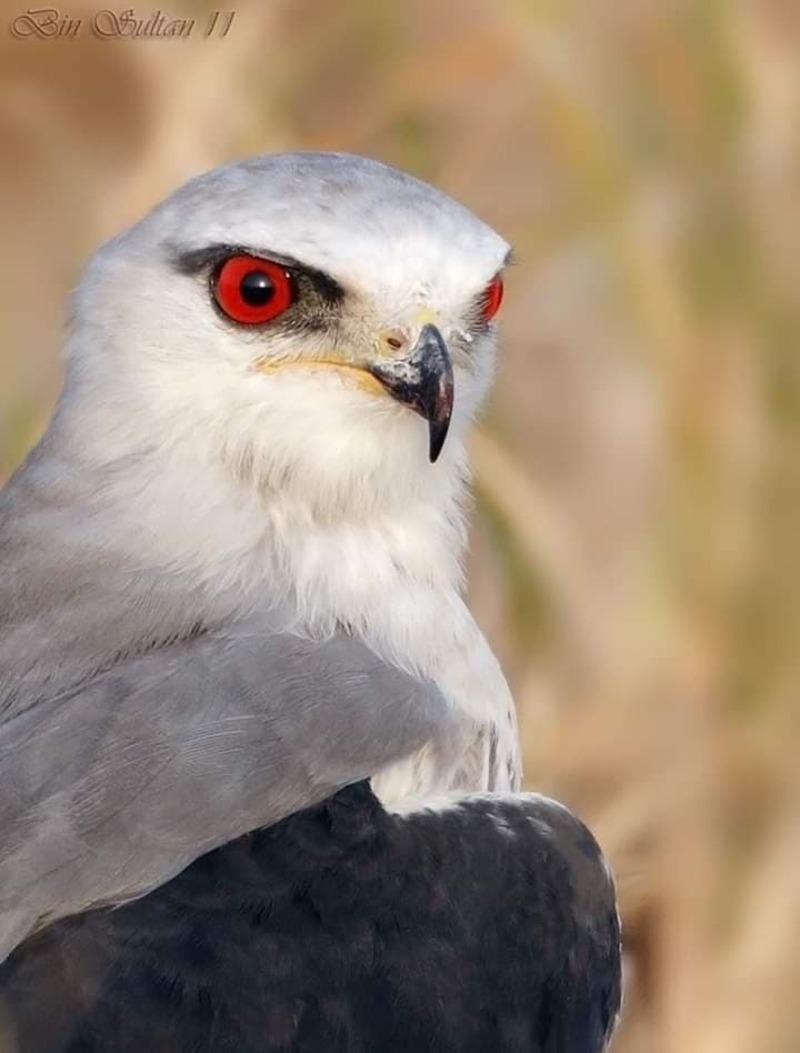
395, 339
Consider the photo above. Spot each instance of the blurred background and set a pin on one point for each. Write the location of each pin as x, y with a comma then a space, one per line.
635, 550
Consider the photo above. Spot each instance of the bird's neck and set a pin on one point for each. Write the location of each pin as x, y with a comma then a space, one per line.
180, 510
345, 564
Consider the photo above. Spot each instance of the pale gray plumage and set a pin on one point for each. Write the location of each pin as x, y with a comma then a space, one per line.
223, 594
111, 787
136, 735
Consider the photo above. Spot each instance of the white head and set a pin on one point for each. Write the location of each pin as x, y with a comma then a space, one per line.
289, 405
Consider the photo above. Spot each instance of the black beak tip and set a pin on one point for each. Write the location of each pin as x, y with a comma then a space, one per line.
437, 433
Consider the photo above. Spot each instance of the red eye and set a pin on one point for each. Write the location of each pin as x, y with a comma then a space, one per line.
492, 298
253, 291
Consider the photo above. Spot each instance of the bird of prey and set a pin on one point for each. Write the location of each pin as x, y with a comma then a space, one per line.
231, 571
243, 530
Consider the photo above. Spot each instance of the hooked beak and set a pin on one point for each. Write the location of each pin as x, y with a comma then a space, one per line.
423, 380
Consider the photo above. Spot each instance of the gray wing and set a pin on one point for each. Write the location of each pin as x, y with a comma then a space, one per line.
112, 787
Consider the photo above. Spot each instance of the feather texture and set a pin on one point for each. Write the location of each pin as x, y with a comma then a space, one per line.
490, 925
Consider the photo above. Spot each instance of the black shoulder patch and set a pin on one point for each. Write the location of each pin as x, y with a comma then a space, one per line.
488, 926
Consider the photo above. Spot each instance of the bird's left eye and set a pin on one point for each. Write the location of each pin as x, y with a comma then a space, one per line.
492, 298
251, 290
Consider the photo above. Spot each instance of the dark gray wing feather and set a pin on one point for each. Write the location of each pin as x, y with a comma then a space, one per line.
488, 926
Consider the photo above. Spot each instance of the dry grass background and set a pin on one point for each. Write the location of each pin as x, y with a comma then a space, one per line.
636, 558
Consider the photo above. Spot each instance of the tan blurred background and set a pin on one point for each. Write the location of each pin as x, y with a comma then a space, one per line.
636, 558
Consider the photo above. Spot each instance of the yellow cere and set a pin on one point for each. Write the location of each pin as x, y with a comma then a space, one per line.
425, 316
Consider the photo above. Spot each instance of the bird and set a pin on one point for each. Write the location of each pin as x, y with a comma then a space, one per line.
247, 460
249, 502
232, 591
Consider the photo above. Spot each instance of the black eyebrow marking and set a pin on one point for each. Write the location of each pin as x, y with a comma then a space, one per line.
196, 261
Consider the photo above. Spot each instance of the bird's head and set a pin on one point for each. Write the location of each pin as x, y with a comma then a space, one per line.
318, 323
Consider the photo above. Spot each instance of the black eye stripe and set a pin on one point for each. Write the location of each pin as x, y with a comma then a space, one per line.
209, 259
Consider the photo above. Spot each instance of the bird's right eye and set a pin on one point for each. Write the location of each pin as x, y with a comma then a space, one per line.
492, 298
252, 291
